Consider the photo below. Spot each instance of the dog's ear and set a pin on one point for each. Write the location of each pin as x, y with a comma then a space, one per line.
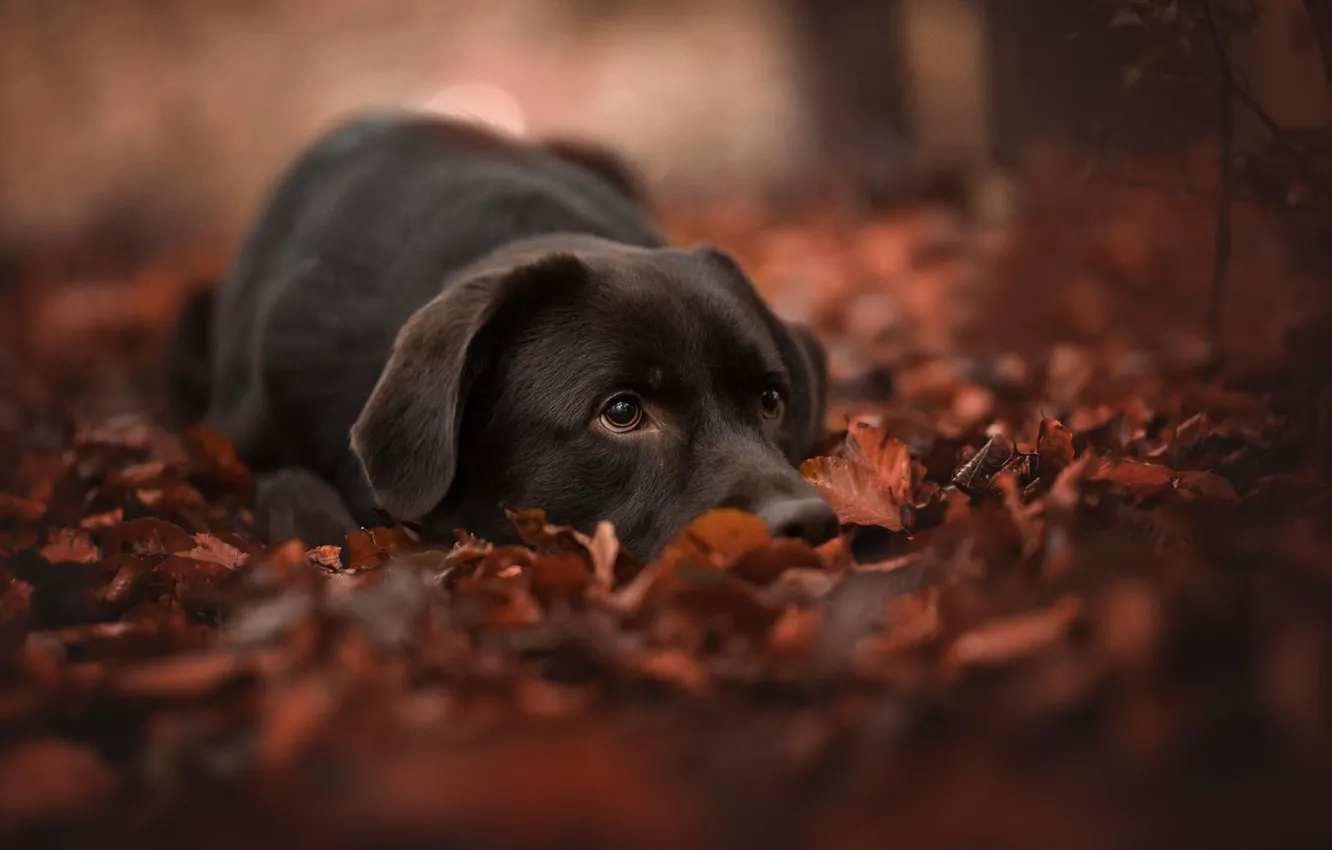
406, 437
803, 354
808, 363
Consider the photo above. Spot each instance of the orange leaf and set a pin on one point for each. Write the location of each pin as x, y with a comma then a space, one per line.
717, 539
1141, 480
854, 491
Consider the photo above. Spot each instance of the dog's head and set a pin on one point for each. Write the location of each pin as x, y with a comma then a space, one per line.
598, 381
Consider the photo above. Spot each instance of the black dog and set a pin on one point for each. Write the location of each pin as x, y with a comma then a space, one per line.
428, 322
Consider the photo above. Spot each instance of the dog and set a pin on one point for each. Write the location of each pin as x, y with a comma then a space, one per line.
428, 322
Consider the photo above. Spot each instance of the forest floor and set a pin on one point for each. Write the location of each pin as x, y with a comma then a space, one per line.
1098, 612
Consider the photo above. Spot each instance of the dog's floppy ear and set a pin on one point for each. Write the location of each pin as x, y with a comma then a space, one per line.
804, 356
808, 363
406, 437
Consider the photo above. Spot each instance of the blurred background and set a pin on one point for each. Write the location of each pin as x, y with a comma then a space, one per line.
789, 130
172, 114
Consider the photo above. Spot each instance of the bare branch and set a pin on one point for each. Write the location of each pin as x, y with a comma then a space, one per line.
1320, 19
1226, 177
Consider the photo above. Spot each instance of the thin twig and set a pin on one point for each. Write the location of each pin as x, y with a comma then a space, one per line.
1246, 98
1319, 13
1239, 195
1226, 119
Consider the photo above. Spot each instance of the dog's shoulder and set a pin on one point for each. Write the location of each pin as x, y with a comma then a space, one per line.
406, 139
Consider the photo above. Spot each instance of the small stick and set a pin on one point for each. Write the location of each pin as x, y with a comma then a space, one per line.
1226, 118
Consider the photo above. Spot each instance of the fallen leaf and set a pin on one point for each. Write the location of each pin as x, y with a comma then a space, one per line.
559, 578
1140, 480
604, 549
626, 602
1006, 640
801, 586
103, 520
493, 603
368, 547
912, 620
535, 531
1054, 450
184, 676
888, 457
794, 633
209, 548
717, 539
976, 475
46, 781
217, 455
1207, 484
858, 606
21, 509
674, 667
15, 599
147, 536
71, 545
765, 564
854, 492
328, 557
726, 600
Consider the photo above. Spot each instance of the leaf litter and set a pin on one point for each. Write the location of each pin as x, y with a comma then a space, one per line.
1099, 617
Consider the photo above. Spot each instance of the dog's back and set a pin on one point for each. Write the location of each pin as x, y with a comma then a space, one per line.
380, 190
361, 230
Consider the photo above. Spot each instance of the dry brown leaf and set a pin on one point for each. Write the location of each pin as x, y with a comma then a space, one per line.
212, 549
106, 519
184, 676
795, 632
913, 621
139, 475
1054, 449
15, 599
1006, 640
727, 600
367, 548
538, 697
717, 539
801, 586
673, 666
503, 603
626, 602
535, 531
48, 780
147, 536
854, 491
604, 549
217, 455
21, 509
292, 718
71, 545
976, 475
1140, 480
887, 456
559, 578
1207, 484
764, 565
328, 557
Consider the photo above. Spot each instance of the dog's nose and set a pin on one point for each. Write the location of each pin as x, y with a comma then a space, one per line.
808, 519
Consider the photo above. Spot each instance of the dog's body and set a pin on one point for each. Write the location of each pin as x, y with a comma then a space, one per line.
465, 308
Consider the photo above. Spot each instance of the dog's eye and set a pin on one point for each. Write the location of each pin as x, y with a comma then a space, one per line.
622, 413
772, 402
